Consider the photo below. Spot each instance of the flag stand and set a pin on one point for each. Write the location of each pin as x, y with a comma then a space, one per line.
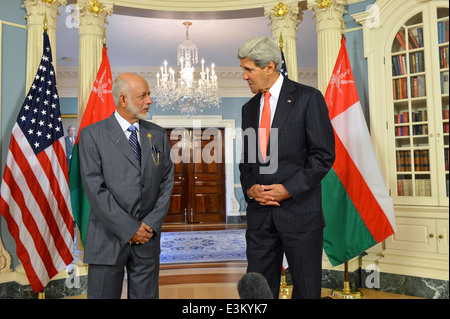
346, 292
285, 289
41, 295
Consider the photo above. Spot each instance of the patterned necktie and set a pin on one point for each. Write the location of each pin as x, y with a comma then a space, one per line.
134, 143
264, 126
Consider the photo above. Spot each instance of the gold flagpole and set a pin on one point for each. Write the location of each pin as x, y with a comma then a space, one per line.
346, 292
104, 37
41, 294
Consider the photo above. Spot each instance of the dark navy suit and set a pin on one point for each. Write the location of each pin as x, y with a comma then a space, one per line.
300, 153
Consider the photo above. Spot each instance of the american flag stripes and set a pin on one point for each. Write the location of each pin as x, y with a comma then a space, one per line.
35, 196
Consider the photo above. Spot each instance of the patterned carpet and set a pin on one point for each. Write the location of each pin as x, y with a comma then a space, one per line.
203, 246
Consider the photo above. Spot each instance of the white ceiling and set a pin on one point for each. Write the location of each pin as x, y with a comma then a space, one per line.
148, 37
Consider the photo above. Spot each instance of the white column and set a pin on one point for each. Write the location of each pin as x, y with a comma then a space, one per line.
328, 15
36, 10
91, 32
284, 19
92, 19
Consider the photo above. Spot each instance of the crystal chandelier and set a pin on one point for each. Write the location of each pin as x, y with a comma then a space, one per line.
185, 94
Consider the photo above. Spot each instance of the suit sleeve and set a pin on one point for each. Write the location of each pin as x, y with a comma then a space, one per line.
105, 207
245, 167
321, 152
156, 217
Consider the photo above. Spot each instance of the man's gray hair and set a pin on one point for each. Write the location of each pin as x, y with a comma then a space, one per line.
120, 86
261, 50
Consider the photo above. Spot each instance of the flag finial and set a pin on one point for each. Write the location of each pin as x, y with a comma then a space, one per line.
45, 22
104, 37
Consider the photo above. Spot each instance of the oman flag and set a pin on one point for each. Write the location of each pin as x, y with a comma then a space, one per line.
100, 106
358, 210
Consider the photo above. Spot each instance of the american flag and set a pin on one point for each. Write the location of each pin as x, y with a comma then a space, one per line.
283, 70
35, 196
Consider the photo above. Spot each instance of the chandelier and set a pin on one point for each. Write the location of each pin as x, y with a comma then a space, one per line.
185, 93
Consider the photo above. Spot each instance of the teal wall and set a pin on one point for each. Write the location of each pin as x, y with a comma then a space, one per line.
355, 49
13, 72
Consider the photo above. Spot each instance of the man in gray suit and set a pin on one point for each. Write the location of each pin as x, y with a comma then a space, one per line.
127, 175
70, 140
281, 177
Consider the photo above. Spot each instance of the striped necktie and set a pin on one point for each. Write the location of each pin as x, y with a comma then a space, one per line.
264, 126
134, 143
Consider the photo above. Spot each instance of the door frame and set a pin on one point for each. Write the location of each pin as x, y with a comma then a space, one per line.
211, 121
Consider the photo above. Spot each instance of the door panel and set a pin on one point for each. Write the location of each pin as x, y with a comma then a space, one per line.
199, 186
177, 208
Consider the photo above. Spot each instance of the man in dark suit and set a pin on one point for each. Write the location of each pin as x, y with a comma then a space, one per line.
70, 141
281, 177
127, 175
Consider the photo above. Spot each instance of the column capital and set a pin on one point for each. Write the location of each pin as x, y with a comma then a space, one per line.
36, 10
93, 16
284, 18
328, 13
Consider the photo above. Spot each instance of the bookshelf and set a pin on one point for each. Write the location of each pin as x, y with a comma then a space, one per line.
407, 58
419, 111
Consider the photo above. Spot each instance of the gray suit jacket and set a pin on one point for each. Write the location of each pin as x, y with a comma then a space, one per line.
122, 193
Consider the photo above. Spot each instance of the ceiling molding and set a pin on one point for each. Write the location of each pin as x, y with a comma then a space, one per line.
196, 5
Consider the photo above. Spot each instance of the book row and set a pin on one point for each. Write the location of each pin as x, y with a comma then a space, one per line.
421, 129
417, 87
444, 82
416, 63
445, 115
414, 38
421, 161
419, 116
443, 31
422, 187
443, 57
446, 158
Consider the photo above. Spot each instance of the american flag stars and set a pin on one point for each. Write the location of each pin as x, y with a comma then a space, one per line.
40, 117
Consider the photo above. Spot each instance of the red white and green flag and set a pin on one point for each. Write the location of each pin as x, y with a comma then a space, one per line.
100, 106
358, 210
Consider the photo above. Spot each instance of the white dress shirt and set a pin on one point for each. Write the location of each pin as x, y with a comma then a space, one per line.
274, 95
124, 124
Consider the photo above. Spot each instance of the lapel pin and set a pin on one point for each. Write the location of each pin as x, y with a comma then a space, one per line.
289, 101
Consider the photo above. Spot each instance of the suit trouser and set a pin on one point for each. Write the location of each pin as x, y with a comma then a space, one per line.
106, 281
303, 250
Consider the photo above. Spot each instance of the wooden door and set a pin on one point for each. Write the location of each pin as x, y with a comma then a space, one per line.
199, 181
